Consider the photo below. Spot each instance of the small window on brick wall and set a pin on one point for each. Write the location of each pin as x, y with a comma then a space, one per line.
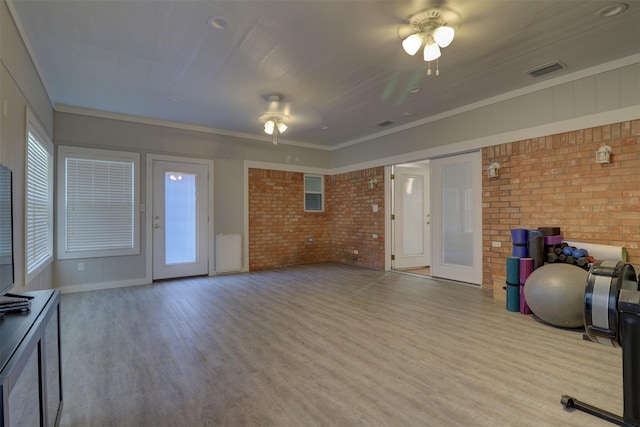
313, 193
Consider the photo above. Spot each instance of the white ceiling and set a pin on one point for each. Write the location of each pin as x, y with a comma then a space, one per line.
336, 64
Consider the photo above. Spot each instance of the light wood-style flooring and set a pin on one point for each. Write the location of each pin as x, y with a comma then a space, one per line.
421, 271
322, 345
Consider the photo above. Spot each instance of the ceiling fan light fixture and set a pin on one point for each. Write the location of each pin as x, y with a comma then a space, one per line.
269, 127
431, 52
412, 44
274, 124
444, 35
433, 28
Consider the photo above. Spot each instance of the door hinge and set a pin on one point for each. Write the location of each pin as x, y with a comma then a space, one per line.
393, 257
393, 176
393, 216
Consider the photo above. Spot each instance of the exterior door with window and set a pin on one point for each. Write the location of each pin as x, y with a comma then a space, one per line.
411, 226
457, 217
180, 219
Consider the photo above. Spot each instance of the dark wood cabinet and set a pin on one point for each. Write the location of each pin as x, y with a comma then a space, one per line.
31, 374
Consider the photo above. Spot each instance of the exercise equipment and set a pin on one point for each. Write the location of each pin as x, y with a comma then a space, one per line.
536, 248
612, 317
549, 231
520, 237
513, 284
552, 240
526, 268
579, 253
555, 293
599, 252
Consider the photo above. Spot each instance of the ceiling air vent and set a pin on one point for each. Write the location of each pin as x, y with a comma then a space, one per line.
385, 123
546, 69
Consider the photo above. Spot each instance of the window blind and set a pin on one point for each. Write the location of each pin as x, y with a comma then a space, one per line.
39, 193
6, 244
313, 190
99, 204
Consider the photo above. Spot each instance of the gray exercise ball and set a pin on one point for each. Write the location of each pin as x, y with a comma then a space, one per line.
555, 293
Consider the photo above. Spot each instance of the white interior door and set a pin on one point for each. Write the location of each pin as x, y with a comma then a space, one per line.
456, 186
180, 219
411, 224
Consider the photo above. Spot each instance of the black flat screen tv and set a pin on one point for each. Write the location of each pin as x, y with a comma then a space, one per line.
6, 230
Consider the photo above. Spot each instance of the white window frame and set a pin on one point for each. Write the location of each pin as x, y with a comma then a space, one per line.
43, 228
321, 192
66, 152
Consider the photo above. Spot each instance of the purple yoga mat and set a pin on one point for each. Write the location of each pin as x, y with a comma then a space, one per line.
552, 240
526, 267
524, 307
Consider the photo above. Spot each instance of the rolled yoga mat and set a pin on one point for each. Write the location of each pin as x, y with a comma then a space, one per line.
601, 252
526, 268
536, 248
520, 251
513, 284
552, 240
520, 239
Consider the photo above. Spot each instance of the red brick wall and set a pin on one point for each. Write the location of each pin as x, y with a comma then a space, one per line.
353, 222
279, 229
280, 232
554, 181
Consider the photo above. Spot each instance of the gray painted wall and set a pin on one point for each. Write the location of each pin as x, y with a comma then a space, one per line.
228, 154
20, 87
567, 106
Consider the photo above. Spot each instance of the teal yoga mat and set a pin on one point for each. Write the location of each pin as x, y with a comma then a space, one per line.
513, 270
513, 298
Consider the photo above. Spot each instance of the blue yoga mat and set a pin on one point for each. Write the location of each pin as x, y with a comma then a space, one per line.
520, 251
520, 239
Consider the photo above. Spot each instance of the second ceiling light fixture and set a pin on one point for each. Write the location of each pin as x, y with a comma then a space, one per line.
274, 121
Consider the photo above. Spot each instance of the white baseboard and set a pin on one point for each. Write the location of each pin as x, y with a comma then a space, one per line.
103, 285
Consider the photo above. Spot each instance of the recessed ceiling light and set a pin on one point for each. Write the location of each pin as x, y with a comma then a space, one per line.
407, 113
414, 90
218, 22
324, 127
175, 98
612, 10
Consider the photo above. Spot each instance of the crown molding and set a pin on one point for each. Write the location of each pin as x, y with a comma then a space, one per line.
70, 109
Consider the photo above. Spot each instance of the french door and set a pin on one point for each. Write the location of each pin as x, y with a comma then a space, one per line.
456, 186
180, 230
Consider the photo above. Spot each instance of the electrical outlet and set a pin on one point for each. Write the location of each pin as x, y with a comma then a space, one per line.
355, 252
496, 244
81, 266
